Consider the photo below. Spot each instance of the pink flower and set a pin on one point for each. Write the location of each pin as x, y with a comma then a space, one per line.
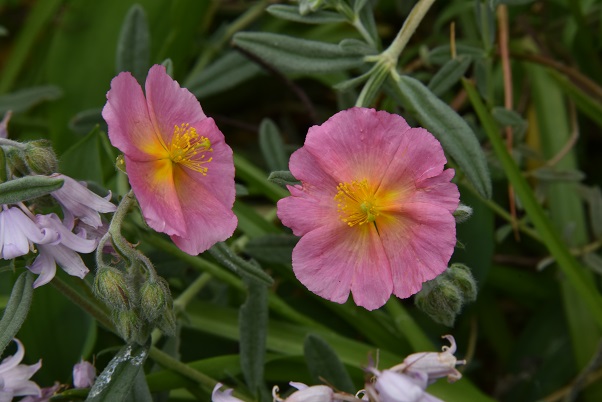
223, 396
304, 393
374, 208
14, 377
177, 161
84, 374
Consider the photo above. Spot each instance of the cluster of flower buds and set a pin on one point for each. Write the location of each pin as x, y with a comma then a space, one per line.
405, 382
27, 175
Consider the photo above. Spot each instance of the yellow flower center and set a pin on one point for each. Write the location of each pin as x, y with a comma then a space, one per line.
188, 148
356, 203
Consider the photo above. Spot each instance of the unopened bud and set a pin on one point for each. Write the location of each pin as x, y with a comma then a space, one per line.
127, 323
15, 163
84, 374
154, 297
440, 299
40, 157
167, 322
462, 213
310, 6
120, 164
111, 287
461, 276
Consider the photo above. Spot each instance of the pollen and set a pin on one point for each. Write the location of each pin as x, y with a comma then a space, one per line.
190, 149
356, 203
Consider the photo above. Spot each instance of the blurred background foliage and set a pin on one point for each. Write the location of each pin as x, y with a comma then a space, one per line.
528, 336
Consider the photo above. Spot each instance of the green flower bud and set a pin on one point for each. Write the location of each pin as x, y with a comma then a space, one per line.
154, 297
167, 322
40, 157
127, 323
462, 213
110, 286
441, 300
15, 163
461, 276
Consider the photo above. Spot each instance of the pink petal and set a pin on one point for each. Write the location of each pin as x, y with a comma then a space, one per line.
168, 104
356, 144
45, 266
331, 261
130, 127
207, 219
419, 241
439, 191
153, 185
315, 197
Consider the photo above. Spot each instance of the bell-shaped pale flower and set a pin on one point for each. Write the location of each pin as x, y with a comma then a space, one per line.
304, 393
433, 364
391, 386
18, 233
223, 396
14, 377
79, 202
84, 374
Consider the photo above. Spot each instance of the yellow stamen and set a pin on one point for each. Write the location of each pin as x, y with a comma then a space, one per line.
188, 148
356, 203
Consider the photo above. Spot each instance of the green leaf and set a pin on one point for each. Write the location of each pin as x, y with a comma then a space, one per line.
272, 248
449, 74
294, 55
25, 99
593, 198
16, 309
133, 46
272, 146
594, 262
283, 178
85, 121
115, 383
27, 188
442, 54
257, 178
553, 174
253, 319
291, 13
225, 73
324, 364
591, 107
139, 391
506, 117
87, 159
222, 253
357, 47
451, 130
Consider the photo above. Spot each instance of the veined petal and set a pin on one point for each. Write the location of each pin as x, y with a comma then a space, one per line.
331, 261
68, 259
169, 105
208, 220
153, 185
419, 240
12, 361
130, 126
45, 266
67, 237
18, 231
356, 144
438, 190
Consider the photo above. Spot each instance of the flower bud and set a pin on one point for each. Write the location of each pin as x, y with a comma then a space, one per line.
462, 213
461, 276
84, 374
154, 297
15, 163
111, 287
440, 299
127, 323
40, 157
167, 322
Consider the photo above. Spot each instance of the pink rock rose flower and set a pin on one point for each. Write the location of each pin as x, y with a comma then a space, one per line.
374, 208
178, 164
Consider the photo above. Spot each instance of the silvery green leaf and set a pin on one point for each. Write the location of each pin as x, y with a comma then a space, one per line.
272, 248
357, 47
442, 54
225, 73
324, 364
272, 146
485, 17
16, 309
294, 55
241, 190
449, 74
85, 121
224, 255
133, 45
27, 188
552, 174
352, 83
168, 64
594, 262
24, 99
506, 117
358, 5
455, 135
283, 178
291, 13
593, 198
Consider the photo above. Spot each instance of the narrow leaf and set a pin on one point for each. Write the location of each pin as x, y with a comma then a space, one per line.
272, 248
133, 46
291, 13
253, 319
27, 188
85, 121
16, 309
225, 73
272, 146
222, 253
456, 136
324, 364
283, 178
449, 74
506, 117
139, 391
296, 55
24, 99
117, 379
594, 262
555, 174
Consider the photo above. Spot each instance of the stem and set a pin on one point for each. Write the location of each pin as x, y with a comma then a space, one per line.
10, 143
406, 326
408, 29
195, 287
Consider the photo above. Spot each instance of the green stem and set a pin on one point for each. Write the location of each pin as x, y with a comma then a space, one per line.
407, 327
191, 291
571, 268
253, 175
